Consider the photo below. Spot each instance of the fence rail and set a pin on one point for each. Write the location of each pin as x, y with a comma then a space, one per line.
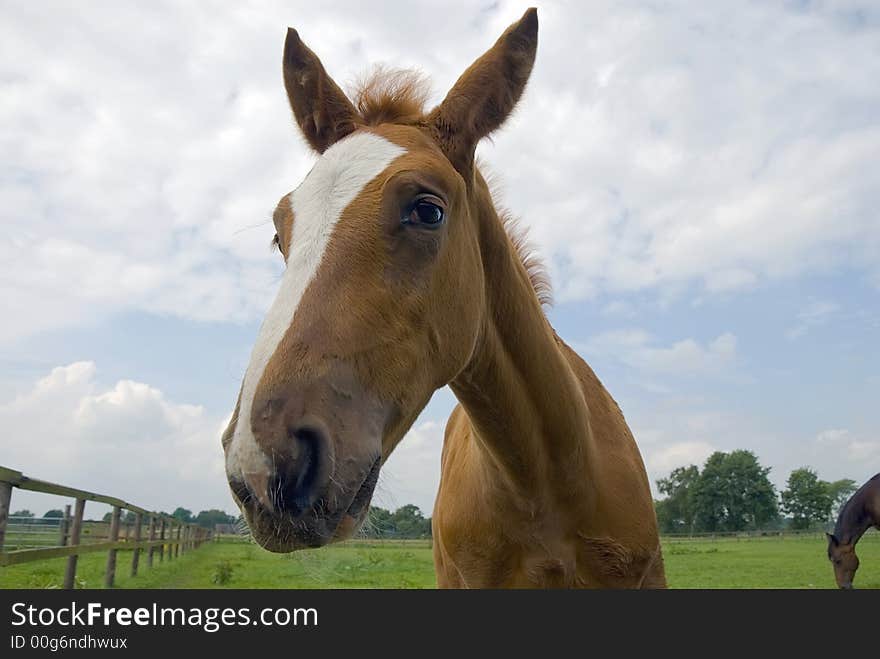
751, 535
165, 535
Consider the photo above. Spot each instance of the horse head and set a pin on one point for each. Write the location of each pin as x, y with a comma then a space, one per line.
383, 292
843, 557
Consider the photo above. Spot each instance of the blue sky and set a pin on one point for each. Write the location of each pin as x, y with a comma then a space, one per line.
701, 181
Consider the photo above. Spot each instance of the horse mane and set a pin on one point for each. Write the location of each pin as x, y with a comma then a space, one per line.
399, 96
531, 260
519, 237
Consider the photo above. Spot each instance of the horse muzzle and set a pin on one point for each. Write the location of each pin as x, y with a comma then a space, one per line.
305, 473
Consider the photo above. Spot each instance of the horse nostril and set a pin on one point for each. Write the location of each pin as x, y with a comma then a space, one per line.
303, 472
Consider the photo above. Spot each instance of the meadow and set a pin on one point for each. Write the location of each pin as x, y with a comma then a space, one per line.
766, 562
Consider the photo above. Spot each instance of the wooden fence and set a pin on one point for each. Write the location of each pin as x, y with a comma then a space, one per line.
155, 534
751, 535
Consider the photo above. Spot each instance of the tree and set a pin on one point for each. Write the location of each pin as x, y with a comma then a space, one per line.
51, 518
839, 492
410, 523
733, 493
806, 498
380, 523
25, 517
208, 518
183, 515
128, 517
675, 513
405, 522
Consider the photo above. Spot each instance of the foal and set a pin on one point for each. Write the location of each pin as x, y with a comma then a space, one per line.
401, 278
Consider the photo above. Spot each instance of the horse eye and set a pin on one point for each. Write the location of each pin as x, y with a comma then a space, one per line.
426, 213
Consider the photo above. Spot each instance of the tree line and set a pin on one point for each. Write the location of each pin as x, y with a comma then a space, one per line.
205, 518
405, 522
733, 493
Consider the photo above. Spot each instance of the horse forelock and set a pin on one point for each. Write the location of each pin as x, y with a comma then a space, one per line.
391, 96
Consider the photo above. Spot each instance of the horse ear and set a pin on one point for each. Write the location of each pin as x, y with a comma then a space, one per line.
832, 539
322, 110
487, 92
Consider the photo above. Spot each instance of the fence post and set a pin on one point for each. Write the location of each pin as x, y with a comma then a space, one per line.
136, 554
65, 527
70, 573
162, 538
152, 536
110, 573
177, 544
5, 497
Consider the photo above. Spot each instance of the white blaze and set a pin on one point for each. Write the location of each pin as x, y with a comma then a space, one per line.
336, 179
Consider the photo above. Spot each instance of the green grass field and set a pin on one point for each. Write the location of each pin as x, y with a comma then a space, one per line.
788, 562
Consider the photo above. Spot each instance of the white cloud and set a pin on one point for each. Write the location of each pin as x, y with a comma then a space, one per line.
859, 450
841, 445
841, 453
127, 441
412, 473
662, 460
833, 435
728, 280
619, 308
817, 313
147, 145
679, 433
637, 349
717, 145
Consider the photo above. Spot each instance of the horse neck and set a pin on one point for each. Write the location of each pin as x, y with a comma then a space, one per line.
520, 393
854, 520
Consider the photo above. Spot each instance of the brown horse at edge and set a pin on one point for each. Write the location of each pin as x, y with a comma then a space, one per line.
857, 515
402, 277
